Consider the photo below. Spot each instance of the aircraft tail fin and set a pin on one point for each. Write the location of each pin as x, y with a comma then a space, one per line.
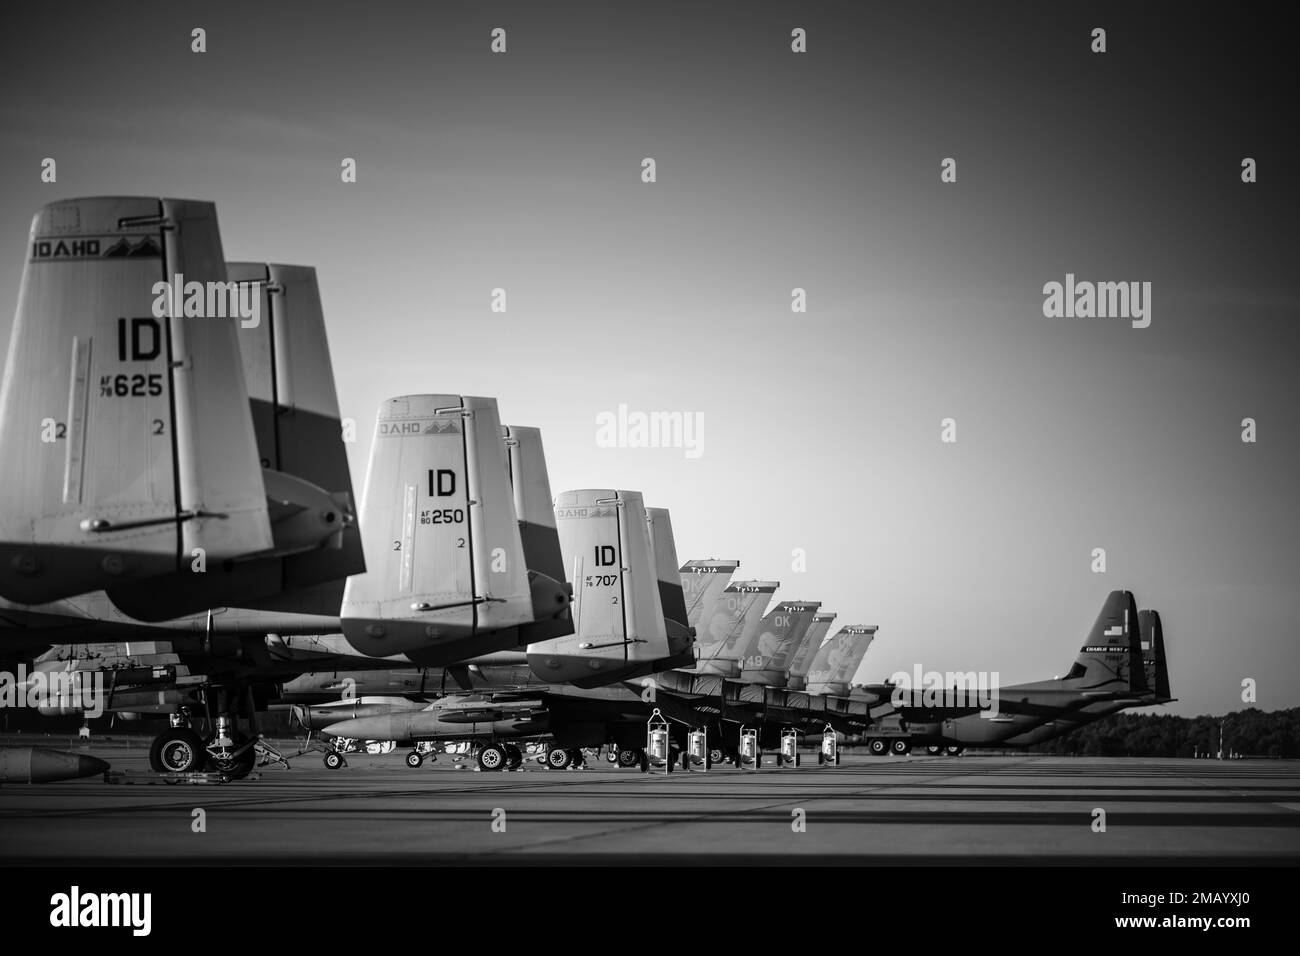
125, 427
767, 656
802, 659
295, 412
735, 617
618, 617
703, 583
445, 572
1111, 658
836, 661
672, 597
1153, 654
541, 541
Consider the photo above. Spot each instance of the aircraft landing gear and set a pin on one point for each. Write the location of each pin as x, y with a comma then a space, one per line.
492, 757
954, 751
231, 752
558, 759
177, 750
900, 747
716, 755
334, 760
414, 759
514, 757
628, 757
877, 747
934, 751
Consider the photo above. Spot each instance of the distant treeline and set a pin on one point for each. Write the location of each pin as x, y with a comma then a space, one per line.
1250, 733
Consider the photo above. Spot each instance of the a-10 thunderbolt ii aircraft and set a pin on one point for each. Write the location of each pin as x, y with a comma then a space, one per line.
172, 429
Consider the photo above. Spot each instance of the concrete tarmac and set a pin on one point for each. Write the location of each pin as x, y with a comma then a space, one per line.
919, 809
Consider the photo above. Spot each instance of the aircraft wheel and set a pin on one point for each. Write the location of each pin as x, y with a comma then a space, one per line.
627, 758
514, 757
955, 751
178, 750
900, 747
716, 755
333, 760
877, 747
611, 756
236, 767
934, 751
558, 759
577, 758
414, 759
492, 757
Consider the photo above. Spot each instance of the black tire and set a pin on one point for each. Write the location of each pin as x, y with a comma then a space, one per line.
414, 759
628, 758
514, 757
716, 755
644, 760
492, 758
236, 767
333, 760
821, 758
558, 759
577, 758
934, 751
796, 760
954, 751
837, 758
877, 747
178, 750
900, 747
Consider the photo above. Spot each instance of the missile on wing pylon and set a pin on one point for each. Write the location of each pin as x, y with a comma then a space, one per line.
295, 412
446, 576
801, 661
836, 661
42, 765
127, 436
618, 618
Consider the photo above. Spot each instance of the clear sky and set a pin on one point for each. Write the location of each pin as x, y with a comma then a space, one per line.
778, 170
